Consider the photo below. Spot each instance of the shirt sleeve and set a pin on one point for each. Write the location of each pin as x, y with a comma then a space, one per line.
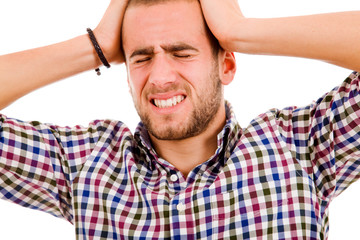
38, 163
325, 137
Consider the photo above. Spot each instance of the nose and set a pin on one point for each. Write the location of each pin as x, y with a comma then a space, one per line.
162, 73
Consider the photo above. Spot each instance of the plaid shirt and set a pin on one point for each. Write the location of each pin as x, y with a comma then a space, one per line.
273, 179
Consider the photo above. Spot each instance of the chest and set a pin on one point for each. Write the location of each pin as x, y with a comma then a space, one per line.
254, 195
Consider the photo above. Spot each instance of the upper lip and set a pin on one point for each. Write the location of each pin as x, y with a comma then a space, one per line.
164, 96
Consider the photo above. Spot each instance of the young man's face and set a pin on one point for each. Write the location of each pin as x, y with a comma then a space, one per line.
172, 72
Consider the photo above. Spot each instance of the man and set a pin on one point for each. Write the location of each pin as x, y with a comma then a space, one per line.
160, 68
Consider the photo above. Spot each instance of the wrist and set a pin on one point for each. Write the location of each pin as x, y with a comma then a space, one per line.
235, 38
110, 48
98, 51
251, 36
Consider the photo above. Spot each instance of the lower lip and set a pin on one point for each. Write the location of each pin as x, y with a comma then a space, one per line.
168, 110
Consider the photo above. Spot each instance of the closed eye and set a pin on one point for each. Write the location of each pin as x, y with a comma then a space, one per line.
143, 60
182, 55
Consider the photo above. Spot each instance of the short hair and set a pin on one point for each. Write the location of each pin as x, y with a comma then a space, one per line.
215, 45
153, 2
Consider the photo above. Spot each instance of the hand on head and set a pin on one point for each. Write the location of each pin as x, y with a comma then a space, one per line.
108, 31
222, 16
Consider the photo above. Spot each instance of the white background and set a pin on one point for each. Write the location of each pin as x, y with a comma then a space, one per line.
262, 82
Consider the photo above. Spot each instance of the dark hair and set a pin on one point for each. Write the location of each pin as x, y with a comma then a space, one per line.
153, 2
213, 40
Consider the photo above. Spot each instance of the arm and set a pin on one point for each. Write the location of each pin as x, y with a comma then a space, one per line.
23, 72
314, 36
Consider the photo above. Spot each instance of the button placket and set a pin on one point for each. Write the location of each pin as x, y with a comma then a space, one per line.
174, 178
181, 207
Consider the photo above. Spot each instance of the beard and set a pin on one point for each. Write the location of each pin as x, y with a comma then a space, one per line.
198, 119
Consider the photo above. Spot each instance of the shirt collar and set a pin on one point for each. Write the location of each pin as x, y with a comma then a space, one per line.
231, 132
226, 139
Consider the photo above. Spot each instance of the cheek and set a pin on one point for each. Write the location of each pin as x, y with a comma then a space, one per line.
199, 80
136, 84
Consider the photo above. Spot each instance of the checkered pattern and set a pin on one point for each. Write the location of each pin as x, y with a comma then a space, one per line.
273, 179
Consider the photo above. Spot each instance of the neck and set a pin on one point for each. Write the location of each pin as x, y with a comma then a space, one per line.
186, 154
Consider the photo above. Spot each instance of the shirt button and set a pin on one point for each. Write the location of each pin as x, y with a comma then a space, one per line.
181, 207
174, 178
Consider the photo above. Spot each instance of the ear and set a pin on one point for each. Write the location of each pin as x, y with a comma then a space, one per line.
227, 66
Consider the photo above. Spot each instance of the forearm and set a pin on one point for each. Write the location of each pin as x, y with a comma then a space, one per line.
332, 37
23, 72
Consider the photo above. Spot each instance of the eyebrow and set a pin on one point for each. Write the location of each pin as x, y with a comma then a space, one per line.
177, 47
142, 51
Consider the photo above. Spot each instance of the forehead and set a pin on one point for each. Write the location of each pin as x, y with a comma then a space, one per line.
165, 23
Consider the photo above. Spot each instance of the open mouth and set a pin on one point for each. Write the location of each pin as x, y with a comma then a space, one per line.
167, 103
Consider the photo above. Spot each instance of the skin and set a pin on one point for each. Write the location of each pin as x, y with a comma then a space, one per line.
172, 56
319, 36
25, 71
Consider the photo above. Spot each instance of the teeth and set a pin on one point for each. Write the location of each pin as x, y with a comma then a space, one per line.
168, 102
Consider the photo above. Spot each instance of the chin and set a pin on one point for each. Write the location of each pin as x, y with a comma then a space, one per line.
168, 131
176, 131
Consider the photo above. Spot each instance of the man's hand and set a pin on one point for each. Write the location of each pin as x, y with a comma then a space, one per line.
108, 32
222, 17
25, 71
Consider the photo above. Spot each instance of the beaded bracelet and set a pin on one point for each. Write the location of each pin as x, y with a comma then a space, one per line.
98, 51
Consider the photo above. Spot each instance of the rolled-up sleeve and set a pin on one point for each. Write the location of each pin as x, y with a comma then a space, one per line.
325, 137
38, 163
